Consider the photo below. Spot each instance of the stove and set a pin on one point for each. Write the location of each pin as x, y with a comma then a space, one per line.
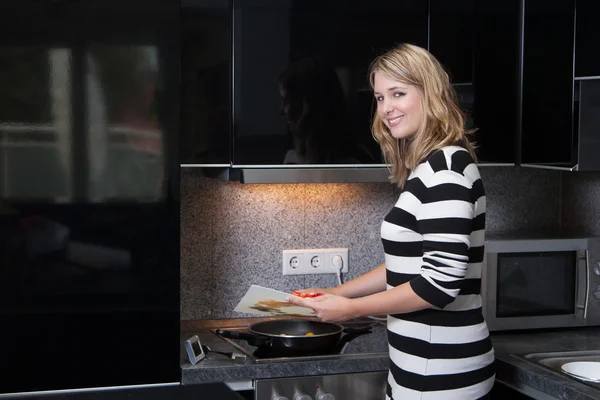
354, 343
371, 341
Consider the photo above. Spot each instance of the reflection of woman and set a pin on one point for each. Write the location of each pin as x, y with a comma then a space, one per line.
313, 102
433, 239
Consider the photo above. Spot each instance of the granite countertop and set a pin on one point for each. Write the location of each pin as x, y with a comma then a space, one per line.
512, 369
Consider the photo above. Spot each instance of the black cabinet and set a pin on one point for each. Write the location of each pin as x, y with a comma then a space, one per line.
286, 56
547, 108
206, 104
89, 218
451, 37
501, 391
496, 80
587, 33
482, 58
561, 71
301, 90
269, 83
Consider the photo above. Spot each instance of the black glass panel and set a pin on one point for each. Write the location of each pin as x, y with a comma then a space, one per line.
496, 80
301, 92
547, 130
587, 57
587, 110
520, 292
89, 215
205, 82
451, 37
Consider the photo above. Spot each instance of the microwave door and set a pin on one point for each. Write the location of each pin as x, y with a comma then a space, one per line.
535, 290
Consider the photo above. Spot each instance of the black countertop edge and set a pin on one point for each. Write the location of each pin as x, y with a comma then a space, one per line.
192, 375
534, 379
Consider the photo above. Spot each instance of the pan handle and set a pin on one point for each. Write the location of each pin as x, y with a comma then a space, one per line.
253, 340
351, 333
359, 329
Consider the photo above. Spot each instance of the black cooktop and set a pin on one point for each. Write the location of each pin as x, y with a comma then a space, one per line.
371, 341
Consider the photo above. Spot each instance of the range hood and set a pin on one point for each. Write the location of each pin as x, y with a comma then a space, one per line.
362, 173
315, 174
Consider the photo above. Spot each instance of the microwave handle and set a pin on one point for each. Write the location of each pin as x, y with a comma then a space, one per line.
583, 267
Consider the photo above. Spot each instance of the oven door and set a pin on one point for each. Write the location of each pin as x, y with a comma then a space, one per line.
356, 386
535, 284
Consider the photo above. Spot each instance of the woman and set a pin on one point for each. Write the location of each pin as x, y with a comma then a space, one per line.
433, 238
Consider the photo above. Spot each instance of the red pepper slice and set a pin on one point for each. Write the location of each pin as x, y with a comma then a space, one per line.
305, 295
314, 294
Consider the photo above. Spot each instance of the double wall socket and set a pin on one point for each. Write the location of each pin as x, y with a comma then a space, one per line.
314, 261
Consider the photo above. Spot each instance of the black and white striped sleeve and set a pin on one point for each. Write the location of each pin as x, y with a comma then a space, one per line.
445, 220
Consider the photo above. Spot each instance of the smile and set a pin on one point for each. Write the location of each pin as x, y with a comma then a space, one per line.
395, 121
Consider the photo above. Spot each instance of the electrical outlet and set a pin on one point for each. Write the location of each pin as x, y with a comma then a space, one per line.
314, 261
293, 261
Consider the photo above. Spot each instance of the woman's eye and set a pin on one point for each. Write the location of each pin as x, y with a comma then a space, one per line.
399, 94
378, 98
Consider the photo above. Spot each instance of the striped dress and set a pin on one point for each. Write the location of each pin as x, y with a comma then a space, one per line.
434, 238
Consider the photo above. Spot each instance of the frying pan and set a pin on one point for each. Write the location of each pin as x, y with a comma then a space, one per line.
289, 335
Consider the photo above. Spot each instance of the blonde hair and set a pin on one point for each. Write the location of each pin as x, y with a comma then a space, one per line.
443, 124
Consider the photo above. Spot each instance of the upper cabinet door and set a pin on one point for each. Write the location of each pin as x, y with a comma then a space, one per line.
206, 103
89, 224
481, 58
587, 33
451, 37
547, 112
301, 90
496, 80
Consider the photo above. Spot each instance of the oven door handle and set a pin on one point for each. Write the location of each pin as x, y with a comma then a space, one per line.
583, 267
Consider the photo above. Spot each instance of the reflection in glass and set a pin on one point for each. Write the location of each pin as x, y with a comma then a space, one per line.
466, 100
519, 295
89, 240
35, 122
125, 141
310, 60
313, 103
205, 40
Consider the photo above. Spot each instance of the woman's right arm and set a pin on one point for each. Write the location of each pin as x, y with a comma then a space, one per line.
368, 283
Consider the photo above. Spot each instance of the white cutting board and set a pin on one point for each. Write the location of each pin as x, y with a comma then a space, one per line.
264, 301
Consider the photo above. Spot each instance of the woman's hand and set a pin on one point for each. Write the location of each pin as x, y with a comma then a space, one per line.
328, 307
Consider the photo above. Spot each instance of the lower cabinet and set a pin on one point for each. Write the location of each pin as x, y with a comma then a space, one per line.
503, 392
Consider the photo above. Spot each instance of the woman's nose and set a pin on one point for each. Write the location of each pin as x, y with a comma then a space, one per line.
387, 107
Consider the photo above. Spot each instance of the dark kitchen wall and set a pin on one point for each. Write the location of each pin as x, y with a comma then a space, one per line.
232, 234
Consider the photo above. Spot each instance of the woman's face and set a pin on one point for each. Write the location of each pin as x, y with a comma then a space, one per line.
289, 107
399, 106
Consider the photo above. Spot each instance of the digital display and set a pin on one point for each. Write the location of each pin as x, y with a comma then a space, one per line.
196, 347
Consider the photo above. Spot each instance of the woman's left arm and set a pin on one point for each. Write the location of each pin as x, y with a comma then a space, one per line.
445, 221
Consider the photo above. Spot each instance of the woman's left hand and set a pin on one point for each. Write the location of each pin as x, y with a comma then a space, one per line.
328, 307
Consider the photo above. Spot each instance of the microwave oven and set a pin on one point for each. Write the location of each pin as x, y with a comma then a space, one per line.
541, 282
